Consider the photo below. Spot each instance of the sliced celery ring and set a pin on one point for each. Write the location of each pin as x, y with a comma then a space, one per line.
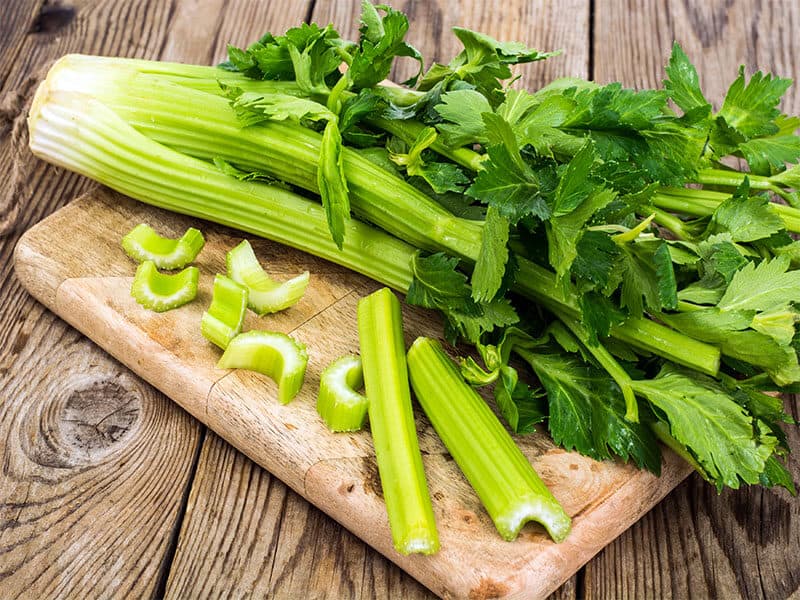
338, 403
143, 243
224, 318
161, 291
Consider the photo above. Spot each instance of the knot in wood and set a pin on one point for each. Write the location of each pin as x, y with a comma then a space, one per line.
91, 418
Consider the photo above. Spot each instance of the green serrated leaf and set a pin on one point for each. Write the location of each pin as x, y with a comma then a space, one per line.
491, 264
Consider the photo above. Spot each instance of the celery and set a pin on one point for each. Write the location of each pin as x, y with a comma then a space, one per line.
338, 403
169, 113
503, 478
273, 354
143, 243
265, 295
392, 424
224, 318
160, 291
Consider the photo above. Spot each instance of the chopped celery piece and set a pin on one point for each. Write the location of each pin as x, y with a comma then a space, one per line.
339, 404
273, 354
143, 243
224, 318
502, 477
265, 295
161, 291
391, 418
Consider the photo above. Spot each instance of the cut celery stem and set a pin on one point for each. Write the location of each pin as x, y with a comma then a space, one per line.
508, 486
270, 353
338, 403
224, 318
143, 243
160, 292
264, 294
391, 419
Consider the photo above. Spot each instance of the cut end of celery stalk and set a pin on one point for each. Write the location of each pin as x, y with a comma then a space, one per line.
224, 318
273, 354
143, 243
391, 417
502, 477
160, 291
338, 403
265, 295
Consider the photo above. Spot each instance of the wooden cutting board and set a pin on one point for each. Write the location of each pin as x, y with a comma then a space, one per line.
72, 262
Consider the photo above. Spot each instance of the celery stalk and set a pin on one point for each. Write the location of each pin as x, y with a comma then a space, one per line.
273, 354
408, 503
204, 124
76, 131
264, 294
224, 318
143, 243
160, 291
503, 478
338, 403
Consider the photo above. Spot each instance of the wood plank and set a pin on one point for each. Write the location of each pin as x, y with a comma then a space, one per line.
697, 544
216, 546
250, 536
87, 509
94, 468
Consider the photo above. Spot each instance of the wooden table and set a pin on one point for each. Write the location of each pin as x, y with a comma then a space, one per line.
108, 489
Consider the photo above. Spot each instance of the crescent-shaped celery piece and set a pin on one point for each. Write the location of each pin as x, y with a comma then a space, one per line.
338, 403
161, 291
143, 243
265, 295
224, 318
503, 478
391, 420
271, 353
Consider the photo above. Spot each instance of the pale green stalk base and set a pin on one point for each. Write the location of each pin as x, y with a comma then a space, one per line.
503, 478
391, 418
338, 403
273, 354
224, 318
161, 291
143, 243
264, 294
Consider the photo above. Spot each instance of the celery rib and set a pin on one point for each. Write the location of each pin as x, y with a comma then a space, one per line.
264, 294
273, 354
391, 419
224, 318
161, 291
143, 243
338, 403
503, 478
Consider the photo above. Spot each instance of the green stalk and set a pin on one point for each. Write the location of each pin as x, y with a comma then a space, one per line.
668, 221
609, 363
703, 203
225, 316
391, 419
508, 486
733, 179
79, 133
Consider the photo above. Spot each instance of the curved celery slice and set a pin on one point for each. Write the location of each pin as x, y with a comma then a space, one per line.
391, 419
338, 403
502, 477
224, 318
273, 354
161, 291
265, 295
143, 243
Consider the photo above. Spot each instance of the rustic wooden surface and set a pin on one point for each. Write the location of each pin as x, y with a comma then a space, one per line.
122, 502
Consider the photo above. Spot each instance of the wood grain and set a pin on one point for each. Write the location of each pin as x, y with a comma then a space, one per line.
95, 463
737, 544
